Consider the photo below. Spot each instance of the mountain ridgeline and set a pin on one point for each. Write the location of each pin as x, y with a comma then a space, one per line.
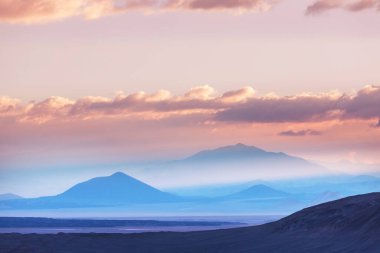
8, 196
235, 163
114, 190
122, 193
238, 152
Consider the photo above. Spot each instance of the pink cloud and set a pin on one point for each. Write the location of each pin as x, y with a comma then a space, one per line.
36, 11
365, 104
240, 95
293, 133
349, 5
241, 105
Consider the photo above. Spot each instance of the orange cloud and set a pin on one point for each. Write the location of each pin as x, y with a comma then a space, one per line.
37, 11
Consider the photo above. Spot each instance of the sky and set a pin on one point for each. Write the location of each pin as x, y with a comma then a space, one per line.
88, 86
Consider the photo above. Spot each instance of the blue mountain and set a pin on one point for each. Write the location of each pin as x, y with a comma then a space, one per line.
259, 192
234, 164
8, 196
117, 189
239, 152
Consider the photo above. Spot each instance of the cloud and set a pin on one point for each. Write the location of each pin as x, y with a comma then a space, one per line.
365, 104
240, 95
228, 4
241, 105
321, 6
8, 104
376, 124
280, 109
299, 133
37, 11
201, 92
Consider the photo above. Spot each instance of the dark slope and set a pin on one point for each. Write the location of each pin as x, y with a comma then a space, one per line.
358, 213
348, 225
117, 189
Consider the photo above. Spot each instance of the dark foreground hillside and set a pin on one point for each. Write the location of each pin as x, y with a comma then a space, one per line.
348, 225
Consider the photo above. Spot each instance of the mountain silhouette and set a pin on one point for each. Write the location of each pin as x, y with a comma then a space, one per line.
235, 163
117, 189
258, 192
232, 152
8, 196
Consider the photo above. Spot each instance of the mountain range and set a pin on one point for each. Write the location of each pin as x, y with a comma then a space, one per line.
122, 192
127, 194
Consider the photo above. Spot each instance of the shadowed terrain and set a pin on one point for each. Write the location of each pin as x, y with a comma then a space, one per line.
347, 225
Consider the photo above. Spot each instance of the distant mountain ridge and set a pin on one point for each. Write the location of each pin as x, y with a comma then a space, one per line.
258, 192
252, 196
114, 190
8, 196
118, 188
239, 152
233, 163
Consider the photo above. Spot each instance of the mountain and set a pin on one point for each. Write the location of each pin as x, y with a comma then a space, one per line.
258, 192
233, 152
8, 196
234, 163
359, 214
349, 225
239, 152
114, 190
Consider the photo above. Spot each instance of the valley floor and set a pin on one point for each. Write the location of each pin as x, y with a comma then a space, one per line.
253, 239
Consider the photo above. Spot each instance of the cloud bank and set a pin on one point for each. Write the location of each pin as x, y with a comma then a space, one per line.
365, 104
37, 11
242, 105
40, 11
321, 6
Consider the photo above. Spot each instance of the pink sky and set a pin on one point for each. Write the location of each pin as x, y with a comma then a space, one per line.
280, 50
95, 82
